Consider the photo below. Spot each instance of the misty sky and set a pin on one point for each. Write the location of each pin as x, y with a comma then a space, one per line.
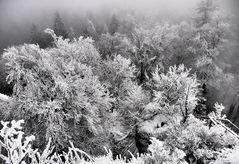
27, 10
18, 11
17, 16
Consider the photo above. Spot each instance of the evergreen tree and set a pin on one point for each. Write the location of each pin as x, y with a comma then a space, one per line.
90, 29
114, 24
105, 29
5, 88
59, 26
205, 10
35, 35
152, 47
109, 45
72, 34
127, 26
210, 40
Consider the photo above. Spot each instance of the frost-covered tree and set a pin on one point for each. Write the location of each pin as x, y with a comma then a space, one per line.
152, 47
209, 46
110, 45
119, 75
200, 143
205, 9
175, 94
210, 38
58, 88
130, 99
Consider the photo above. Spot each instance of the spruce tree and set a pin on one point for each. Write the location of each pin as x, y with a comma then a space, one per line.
59, 27
35, 35
114, 24
90, 29
105, 29
205, 10
72, 34
40, 38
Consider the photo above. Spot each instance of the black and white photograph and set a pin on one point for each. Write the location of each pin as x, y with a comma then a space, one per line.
119, 82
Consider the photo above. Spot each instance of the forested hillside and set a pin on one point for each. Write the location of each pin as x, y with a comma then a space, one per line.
128, 88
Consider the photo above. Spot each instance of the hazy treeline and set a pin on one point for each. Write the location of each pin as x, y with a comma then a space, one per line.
111, 76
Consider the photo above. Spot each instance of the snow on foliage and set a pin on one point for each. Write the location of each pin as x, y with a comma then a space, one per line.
175, 93
127, 97
19, 151
58, 85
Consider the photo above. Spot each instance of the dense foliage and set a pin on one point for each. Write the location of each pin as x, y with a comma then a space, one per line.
58, 88
142, 91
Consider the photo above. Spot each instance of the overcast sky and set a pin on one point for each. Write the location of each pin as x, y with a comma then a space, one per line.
26, 10
17, 15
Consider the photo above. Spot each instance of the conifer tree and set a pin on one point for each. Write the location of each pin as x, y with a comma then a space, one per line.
127, 26
40, 38
114, 24
71, 34
209, 41
35, 35
90, 29
5, 88
205, 10
109, 45
105, 29
59, 26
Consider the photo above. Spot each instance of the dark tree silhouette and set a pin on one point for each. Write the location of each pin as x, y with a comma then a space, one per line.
59, 27
114, 24
105, 29
90, 29
40, 38
35, 35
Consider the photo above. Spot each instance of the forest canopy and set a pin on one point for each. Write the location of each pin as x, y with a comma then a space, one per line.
129, 89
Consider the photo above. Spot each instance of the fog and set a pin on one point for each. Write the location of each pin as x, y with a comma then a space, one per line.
21, 12
17, 16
